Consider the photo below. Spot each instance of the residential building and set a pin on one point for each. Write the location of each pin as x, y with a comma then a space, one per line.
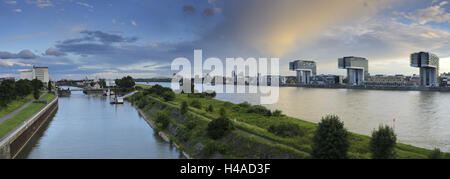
429, 67
357, 69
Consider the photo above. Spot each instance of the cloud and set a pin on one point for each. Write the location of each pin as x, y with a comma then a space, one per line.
41, 3
91, 7
24, 54
435, 13
54, 52
208, 12
18, 10
11, 2
290, 22
133, 22
188, 9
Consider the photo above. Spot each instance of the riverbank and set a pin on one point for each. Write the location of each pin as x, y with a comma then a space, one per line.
371, 87
16, 131
251, 129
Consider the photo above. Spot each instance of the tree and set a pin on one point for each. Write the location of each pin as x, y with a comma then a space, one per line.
219, 127
210, 108
196, 104
37, 85
49, 86
330, 140
184, 107
126, 82
435, 154
102, 83
7, 92
162, 119
23, 88
383, 143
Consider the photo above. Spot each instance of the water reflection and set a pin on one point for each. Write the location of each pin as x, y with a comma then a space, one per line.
87, 126
422, 118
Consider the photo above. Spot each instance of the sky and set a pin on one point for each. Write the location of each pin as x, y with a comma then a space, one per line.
113, 38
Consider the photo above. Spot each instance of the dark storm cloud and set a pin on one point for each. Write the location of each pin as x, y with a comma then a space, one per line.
188, 9
208, 12
24, 54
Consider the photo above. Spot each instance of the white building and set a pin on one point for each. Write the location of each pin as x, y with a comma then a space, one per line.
26, 74
41, 73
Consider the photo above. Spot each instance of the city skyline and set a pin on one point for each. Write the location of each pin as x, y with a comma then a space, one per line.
113, 38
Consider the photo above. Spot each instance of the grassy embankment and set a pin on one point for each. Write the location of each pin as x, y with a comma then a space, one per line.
11, 123
251, 134
16, 104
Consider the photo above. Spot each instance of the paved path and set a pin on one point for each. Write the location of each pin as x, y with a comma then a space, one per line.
11, 114
130, 94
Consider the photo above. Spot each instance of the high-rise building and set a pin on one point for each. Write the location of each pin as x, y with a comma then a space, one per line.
357, 69
305, 69
429, 67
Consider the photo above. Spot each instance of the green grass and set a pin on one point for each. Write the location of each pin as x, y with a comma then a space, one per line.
16, 104
11, 123
257, 125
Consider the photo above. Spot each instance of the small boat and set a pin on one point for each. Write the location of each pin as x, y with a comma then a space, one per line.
117, 100
105, 93
111, 93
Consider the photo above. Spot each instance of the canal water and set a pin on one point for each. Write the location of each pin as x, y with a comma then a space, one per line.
421, 118
88, 126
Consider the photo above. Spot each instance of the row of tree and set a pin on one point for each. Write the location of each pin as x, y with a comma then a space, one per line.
11, 90
331, 141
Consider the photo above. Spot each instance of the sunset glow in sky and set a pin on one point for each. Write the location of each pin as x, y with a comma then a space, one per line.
111, 38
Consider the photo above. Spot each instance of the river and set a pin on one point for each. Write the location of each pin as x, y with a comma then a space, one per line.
421, 118
87, 126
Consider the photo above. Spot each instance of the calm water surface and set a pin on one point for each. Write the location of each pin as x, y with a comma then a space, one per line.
87, 126
422, 118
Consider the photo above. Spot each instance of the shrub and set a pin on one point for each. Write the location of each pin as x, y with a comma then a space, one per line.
212, 147
286, 129
184, 107
383, 142
196, 104
190, 123
244, 105
258, 109
330, 139
168, 95
219, 127
210, 108
277, 113
435, 154
183, 134
162, 118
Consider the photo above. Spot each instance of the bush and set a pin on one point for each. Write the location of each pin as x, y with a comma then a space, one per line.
330, 139
210, 108
258, 109
212, 147
219, 127
184, 107
277, 113
286, 129
435, 154
196, 104
168, 95
183, 134
190, 123
244, 105
162, 118
383, 142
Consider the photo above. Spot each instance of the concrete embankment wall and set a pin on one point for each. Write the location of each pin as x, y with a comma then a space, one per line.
13, 143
